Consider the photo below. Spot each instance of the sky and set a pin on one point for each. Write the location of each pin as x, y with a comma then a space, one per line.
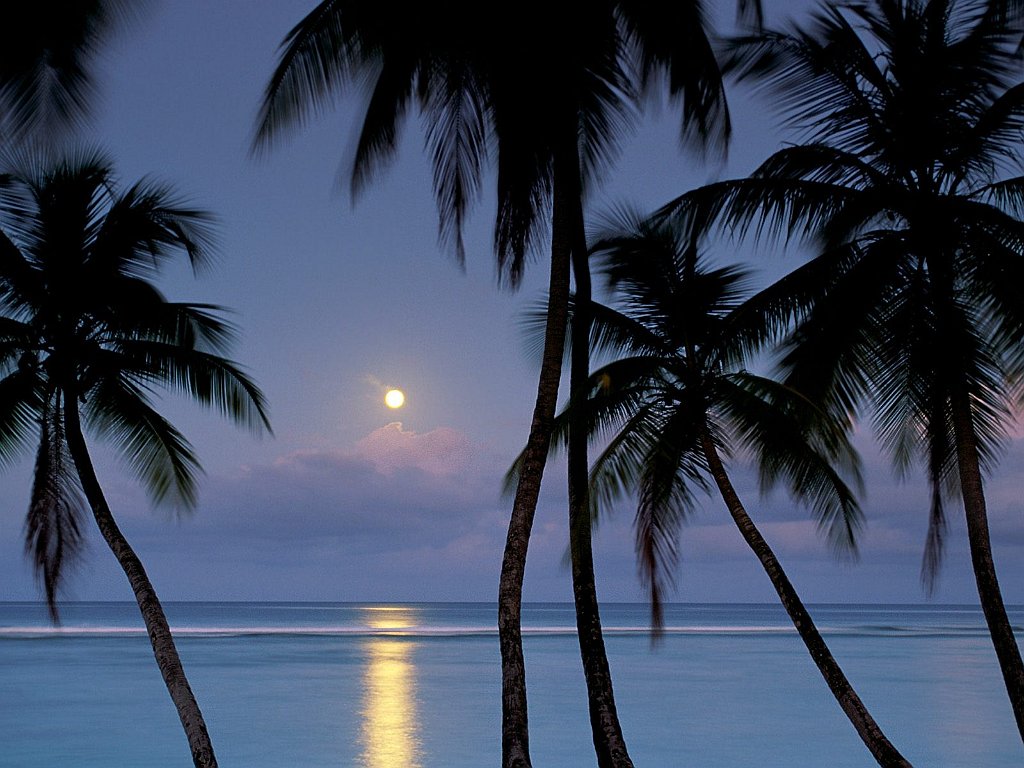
336, 300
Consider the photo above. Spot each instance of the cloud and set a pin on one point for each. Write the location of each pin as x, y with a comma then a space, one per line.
441, 452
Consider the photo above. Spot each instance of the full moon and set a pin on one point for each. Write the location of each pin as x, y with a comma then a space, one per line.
394, 398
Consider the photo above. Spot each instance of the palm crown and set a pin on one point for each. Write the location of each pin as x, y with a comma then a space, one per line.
82, 324
514, 82
913, 298
680, 335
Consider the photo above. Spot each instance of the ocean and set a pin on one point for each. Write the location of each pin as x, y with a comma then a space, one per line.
303, 685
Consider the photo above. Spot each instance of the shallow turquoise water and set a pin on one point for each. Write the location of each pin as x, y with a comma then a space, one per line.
378, 686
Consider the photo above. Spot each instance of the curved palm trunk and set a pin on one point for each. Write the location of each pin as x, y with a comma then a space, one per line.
869, 731
609, 743
991, 597
152, 612
515, 734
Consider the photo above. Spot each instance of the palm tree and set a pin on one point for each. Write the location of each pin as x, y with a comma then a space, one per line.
547, 95
46, 61
85, 338
676, 401
911, 306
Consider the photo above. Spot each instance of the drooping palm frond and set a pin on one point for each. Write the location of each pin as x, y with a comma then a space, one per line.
790, 209
205, 377
47, 57
796, 444
987, 145
133, 315
670, 471
457, 138
156, 452
386, 111
53, 526
614, 473
318, 55
831, 355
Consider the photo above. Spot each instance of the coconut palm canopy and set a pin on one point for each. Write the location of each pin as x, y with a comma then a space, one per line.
676, 339
82, 319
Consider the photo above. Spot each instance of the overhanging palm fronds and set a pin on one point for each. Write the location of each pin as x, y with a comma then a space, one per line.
47, 57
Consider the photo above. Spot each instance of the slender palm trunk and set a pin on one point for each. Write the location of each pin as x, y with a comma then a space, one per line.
609, 743
152, 612
869, 731
515, 734
973, 493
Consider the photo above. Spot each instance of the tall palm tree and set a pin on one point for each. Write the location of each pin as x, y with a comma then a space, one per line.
47, 59
911, 306
547, 95
676, 402
85, 338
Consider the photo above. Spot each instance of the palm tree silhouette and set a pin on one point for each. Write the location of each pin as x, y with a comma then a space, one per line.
547, 95
911, 305
676, 401
85, 338
46, 81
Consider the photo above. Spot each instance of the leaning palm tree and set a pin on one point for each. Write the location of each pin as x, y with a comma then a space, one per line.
85, 339
676, 402
911, 306
47, 62
547, 95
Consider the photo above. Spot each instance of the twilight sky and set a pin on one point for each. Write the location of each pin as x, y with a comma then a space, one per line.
335, 302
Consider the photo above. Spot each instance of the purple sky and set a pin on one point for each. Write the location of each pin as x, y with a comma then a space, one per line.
351, 501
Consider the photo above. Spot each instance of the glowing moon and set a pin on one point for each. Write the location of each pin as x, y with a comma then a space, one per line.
394, 398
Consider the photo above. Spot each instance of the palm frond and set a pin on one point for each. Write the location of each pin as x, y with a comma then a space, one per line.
457, 137
671, 40
317, 56
671, 471
785, 210
1006, 194
201, 376
138, 311
524, 189
385, 112
144, 227
154, 450
800, 445
20, 404
53, 531
47, 60
992, 143
832, 355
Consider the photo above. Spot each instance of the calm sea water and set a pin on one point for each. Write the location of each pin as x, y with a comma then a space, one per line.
417, 686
